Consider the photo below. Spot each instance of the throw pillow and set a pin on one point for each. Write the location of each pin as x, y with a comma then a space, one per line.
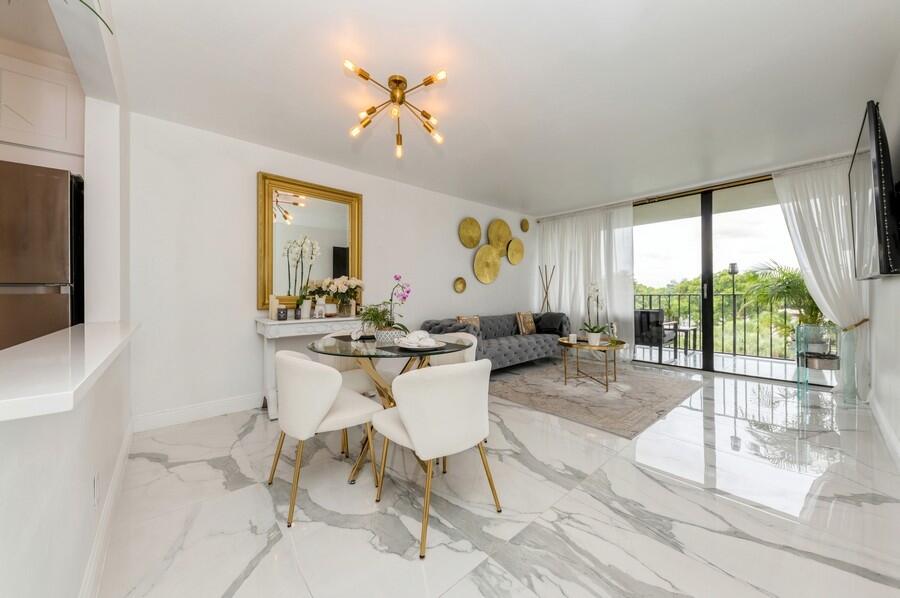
473, 321
526, 322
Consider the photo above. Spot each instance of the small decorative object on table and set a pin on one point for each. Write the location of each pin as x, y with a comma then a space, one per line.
320, 308
282, 313
382, 316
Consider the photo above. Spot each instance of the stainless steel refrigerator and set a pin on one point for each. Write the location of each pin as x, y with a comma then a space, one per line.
41, 251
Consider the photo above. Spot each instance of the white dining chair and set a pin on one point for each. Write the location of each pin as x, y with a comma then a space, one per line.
312, 400
352, 377
459, 356
440, 411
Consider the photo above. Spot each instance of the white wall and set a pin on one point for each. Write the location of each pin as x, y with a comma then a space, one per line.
193, 260
102, 208
49, 517
885, 297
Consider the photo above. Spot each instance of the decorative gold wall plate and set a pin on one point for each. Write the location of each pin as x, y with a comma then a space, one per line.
515, 251
459, 285
469, 232
487, 264
524, 225
499, 235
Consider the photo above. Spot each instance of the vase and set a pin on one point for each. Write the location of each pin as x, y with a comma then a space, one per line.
388, 336
594, 338
305, 309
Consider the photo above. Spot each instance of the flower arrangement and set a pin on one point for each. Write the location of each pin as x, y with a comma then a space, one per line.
300, 254
382, 316
343, 288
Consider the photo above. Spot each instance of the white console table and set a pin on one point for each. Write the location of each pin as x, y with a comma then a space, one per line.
272, 330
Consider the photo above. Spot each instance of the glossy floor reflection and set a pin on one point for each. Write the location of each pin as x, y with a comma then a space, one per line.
746, 489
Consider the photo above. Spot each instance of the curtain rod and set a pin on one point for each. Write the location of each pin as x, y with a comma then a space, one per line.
712, 186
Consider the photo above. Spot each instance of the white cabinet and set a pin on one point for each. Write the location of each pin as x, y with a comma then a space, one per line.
40, 107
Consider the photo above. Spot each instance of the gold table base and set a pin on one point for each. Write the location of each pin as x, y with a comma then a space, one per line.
387, 401
579, 373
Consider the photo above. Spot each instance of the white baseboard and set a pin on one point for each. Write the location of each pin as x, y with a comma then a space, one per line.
890, 435
93, 573
190, 413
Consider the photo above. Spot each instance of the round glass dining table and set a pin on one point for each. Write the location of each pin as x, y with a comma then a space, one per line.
366, 352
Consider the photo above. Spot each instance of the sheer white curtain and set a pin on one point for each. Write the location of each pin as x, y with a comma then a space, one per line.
587, 247
814, 201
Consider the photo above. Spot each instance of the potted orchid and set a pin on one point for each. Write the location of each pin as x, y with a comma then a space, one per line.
592, 327
383, 316
300, 254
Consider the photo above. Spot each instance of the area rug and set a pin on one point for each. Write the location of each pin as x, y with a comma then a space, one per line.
638, 398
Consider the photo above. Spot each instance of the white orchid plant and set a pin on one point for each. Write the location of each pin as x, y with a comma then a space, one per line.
595, 304
300, 254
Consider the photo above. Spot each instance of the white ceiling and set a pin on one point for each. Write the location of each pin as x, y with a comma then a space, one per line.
548, 106
31, 22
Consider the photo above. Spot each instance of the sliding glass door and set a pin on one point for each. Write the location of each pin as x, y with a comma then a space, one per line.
718, 268
667, 287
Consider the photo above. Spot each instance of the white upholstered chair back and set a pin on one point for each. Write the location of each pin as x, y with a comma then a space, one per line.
306, 391
459, 356
444, 409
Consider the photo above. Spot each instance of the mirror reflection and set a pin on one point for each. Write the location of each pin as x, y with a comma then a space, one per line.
310, 241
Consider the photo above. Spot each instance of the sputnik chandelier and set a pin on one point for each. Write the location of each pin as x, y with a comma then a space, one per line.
397, 90
281, 199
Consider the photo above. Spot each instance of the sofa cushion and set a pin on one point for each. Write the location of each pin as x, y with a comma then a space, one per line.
499, 326
526, 322
510, 350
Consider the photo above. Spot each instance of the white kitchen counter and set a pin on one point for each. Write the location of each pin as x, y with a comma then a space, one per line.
51, 373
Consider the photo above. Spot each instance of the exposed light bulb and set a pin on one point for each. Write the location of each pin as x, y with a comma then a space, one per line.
362, 115
430, 118
349, 66
395, 111
440, 75
355, 131
398, 151
437, 137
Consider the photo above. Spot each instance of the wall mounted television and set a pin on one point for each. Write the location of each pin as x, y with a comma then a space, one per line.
873, 201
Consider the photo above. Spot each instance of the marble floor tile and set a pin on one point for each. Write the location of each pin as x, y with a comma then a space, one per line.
746, 489
179, 465
532, 467
227, 546
346, 541
489, 580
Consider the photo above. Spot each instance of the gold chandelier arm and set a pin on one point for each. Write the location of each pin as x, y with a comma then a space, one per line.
413, 109
380, 85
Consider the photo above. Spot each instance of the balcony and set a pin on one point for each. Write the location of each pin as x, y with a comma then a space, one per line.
749, 338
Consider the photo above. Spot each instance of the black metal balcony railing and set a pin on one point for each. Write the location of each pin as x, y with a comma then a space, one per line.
741, 326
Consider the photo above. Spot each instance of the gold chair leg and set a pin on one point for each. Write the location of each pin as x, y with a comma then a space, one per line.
487, 471
345, 443
425, 508
384, 454
445, 465
296, 483
370, 437
275, 459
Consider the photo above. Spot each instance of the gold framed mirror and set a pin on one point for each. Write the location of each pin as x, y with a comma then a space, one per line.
289, 211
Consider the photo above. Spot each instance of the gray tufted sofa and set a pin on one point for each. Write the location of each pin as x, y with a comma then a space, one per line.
499, 339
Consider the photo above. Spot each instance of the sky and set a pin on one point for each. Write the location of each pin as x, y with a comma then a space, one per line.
670, 251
